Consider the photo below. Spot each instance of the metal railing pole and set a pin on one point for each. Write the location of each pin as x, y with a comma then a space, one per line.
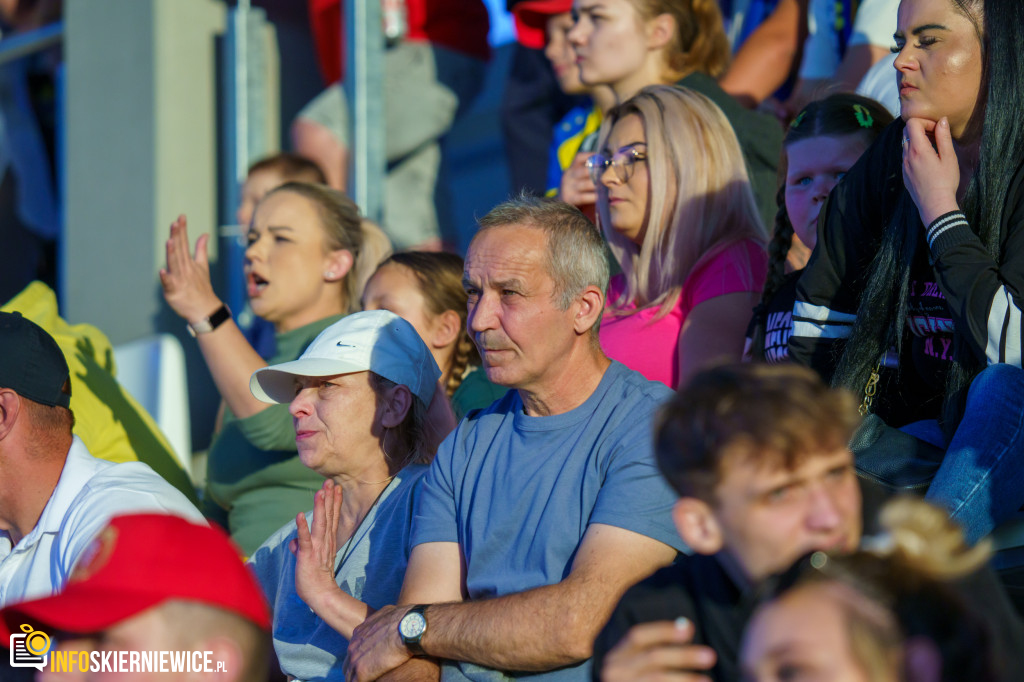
363, 81
236, 149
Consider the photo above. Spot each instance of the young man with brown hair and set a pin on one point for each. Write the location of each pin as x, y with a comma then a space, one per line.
759, 456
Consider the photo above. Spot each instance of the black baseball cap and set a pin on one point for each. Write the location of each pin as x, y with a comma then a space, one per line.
31, 362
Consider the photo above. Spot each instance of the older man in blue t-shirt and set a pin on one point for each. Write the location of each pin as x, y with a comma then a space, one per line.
539, 511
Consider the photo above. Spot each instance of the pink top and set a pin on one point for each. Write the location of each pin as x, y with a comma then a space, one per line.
651, 346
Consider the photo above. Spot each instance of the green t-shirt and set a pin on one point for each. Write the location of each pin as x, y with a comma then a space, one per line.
475, 392
253, 472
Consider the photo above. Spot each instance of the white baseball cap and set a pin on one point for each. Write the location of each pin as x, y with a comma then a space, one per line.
374, 340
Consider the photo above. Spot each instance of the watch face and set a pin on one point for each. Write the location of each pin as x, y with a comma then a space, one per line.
412, 625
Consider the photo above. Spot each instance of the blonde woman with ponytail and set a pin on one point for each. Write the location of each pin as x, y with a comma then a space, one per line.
632, 44
425, 288
903, 610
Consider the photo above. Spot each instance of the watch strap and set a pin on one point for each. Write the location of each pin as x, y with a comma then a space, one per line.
206, 325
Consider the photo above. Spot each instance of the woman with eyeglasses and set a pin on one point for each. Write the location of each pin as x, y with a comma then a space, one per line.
675, 204
628, 45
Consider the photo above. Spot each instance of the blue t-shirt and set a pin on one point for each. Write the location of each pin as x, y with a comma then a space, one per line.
518, 492
375, 560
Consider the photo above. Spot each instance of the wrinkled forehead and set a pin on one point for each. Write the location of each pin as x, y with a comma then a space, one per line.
508, 250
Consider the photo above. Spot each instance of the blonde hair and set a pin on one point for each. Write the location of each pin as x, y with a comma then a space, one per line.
342, 226
376, 249
688, 140
699, 42
899, 587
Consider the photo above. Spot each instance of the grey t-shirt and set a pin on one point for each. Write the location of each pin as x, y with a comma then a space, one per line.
374, 567
518, 492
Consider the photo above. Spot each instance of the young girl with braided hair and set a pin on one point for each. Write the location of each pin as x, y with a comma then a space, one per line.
425, 288
825, 139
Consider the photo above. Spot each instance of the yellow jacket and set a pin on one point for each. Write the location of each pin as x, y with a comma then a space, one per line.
108, 420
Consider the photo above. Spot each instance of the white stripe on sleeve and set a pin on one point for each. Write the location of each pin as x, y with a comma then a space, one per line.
1004, 330
819, 322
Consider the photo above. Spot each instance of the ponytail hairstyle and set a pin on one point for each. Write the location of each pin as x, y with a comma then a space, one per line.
689, 143
342, 226
881, 315
376, 249
899, 587
834, 116
699, 44
439, 276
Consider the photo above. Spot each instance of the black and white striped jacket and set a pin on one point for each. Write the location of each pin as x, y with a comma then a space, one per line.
975, 296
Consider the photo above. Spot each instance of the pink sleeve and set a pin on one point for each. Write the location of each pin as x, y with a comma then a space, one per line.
740, 267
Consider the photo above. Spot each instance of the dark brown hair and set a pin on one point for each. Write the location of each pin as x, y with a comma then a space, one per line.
782, 412
836, 115
411, 435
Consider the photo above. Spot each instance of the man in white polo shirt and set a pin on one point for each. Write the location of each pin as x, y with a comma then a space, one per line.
54, 495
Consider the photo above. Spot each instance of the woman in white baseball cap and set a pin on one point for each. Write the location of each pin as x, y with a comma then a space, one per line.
368, 413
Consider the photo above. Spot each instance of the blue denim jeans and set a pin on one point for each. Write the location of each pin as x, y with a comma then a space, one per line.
981, 479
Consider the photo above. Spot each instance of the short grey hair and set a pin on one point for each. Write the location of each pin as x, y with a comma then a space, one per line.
576, 256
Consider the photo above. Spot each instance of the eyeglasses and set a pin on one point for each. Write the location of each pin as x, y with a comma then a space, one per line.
621, 161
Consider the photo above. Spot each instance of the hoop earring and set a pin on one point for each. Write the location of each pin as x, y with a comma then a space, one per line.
383, 445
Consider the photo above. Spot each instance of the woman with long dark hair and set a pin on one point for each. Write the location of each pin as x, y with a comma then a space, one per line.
913, 296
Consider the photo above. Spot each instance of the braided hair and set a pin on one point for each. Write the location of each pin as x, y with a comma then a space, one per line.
834, 116
778, 248
439, 276
837, 115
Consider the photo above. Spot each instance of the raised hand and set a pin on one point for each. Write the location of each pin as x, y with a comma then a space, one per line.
662, 650
186, 279
577, 188
315, 548
931, 174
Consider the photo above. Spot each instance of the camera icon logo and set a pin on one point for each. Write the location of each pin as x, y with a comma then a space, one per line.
30, 648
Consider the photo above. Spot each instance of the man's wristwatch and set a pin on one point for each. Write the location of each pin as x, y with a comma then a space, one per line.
412, 628
208, 324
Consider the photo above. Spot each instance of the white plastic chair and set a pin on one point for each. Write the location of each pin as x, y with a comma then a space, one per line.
152, 370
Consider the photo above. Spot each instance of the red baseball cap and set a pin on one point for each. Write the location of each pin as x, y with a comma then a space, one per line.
137, 562
532, 19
